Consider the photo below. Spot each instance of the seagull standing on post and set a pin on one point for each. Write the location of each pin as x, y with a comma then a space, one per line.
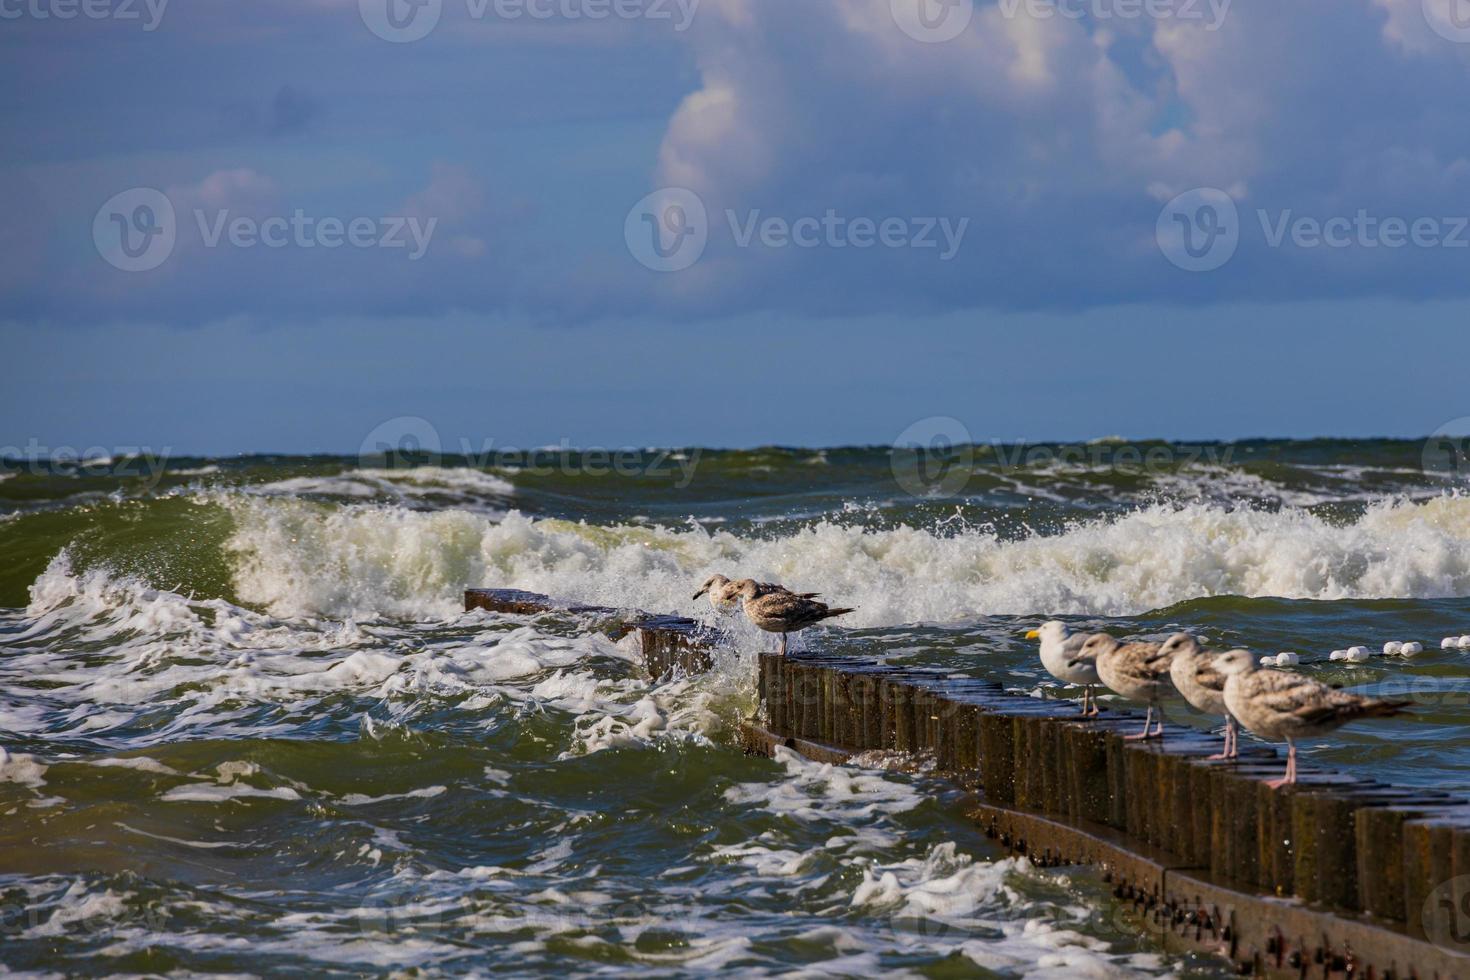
1138, 671
781, 611
1280, 704
1059, 648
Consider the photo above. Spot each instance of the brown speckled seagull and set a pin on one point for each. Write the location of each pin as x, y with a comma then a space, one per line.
1138, 671
724, 594
781, 611
1197, 676
1280, 704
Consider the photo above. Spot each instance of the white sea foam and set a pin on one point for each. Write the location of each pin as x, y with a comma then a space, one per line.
299, 559
107, 648
440, 486
25, 770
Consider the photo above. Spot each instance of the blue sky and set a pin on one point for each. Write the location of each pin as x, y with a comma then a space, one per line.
1045, 218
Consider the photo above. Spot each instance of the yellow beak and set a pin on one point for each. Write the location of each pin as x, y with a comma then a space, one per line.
1032, 634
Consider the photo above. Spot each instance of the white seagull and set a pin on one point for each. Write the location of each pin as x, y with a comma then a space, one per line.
1058, 648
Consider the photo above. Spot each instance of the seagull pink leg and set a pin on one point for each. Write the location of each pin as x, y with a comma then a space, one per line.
1147, 721
1224, 752
1290, 776
1228, 752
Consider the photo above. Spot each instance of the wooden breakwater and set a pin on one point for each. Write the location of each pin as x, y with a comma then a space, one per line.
666, 643
1338, 875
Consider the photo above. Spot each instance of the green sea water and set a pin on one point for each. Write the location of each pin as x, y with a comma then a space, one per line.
247, 727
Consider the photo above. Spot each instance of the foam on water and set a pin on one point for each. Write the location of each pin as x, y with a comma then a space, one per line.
121, 649
301, 559
422, 486
459, 791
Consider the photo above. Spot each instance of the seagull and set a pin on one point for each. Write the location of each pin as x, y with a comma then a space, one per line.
724, 594
1192, 669
780, 611
1058, 647
1278, 704
1138, 671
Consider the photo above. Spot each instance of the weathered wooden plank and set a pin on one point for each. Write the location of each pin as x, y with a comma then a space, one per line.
1059, 788
665, 643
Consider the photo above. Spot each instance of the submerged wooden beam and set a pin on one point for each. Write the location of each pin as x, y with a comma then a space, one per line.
666, 643
1337, 875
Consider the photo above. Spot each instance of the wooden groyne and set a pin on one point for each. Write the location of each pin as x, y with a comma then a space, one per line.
1337, 875
666, 643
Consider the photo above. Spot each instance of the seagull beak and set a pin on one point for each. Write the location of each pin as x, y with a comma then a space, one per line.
1032, 634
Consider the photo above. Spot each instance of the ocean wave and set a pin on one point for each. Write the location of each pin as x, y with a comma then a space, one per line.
299, 559
124, 649
439, 486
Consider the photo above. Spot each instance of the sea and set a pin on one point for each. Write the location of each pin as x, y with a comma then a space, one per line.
247, 727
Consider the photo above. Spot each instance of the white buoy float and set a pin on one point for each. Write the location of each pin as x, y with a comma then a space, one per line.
1449, 643
1391, 648
1411, 649
1287, 659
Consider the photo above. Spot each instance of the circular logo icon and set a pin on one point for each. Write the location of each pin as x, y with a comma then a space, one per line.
403, 442
1446, 915
1447, 450
135, 231
934, 457
415, 914
667, 230
400, 21
932, 21
1450, 19
1199, 230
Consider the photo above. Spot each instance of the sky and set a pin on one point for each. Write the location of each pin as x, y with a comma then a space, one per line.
279, 226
